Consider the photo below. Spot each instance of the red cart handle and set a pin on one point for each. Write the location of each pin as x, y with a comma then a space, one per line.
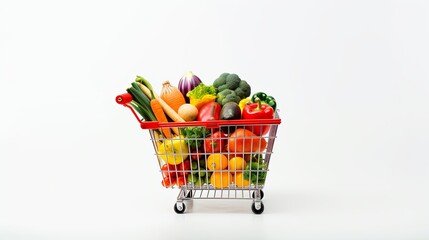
124, 98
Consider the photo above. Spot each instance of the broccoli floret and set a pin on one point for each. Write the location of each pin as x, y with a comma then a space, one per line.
231, 98
222, 95
231, 84
240, 93
225, 92
245, 88
222, 87
233, 81
224, 75
221, 80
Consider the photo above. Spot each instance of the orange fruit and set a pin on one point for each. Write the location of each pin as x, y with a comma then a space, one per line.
262, 143
240, 180
220, 179
237, 164
217, 161
244, 141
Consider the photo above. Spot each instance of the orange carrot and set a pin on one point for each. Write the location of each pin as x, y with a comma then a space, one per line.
167, 109
160, 115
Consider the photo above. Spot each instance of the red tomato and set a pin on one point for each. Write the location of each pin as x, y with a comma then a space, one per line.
168, 171
197, 154
184, 168
168, 182
215, 142
181, 181
181, 169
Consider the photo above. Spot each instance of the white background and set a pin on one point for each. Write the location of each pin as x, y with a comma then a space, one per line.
351, 79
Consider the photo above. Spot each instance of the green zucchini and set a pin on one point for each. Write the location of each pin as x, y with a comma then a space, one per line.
144, 107
136, 107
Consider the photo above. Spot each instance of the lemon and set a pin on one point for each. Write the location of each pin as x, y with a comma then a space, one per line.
173, 151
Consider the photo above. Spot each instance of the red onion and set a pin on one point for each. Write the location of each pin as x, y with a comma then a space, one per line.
188, 82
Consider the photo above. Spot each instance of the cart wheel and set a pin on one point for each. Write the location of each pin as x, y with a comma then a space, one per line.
262, 194
179, 208
257, 211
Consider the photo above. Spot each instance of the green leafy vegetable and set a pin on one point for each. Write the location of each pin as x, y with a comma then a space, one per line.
194, 136
256, 170
201, 90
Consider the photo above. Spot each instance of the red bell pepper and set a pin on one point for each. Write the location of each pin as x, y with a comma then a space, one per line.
215, 143
209, 111
258, 111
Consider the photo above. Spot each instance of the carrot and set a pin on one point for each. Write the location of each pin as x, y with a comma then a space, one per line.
159, 114
167, 109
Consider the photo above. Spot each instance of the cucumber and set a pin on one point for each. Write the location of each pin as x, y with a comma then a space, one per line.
142, 98
136, 107
142, 103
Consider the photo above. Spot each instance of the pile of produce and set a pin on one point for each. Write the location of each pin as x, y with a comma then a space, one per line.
199, 155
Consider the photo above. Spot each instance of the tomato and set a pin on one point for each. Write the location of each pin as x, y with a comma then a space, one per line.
175, 174
216, 142
184, 168
197, 154
181, 169
245, 141
167, 171
181, 181
168, 182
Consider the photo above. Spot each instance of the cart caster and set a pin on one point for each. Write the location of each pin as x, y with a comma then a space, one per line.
257, 207
179, 207
261, 194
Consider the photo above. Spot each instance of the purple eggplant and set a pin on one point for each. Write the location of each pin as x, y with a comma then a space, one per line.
188, 82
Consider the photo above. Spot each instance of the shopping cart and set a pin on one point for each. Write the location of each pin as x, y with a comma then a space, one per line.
237, 171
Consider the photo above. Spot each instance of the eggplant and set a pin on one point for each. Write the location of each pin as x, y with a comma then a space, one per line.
188, 82
230, 111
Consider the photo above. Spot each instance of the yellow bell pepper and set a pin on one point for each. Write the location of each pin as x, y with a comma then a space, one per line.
244, 102
198, 103
173, 151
